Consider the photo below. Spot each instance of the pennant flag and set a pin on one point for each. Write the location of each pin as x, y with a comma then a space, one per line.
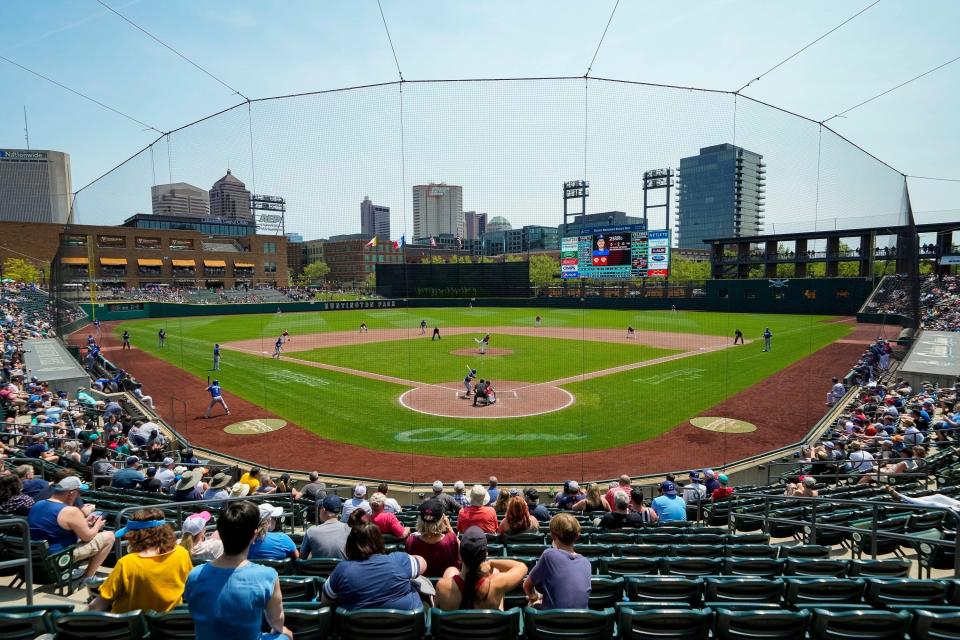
373, 242
433, 241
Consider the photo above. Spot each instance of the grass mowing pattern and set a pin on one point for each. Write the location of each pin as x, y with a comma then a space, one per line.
610, 411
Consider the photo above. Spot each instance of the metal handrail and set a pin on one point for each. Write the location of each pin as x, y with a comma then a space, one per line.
279, 498
836, 476
27, 561
874, 531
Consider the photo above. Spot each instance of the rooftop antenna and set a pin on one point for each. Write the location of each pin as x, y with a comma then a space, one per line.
26, 127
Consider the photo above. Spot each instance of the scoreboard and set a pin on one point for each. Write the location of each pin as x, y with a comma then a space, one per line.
621, 252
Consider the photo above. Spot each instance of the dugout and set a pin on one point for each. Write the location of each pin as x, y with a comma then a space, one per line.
50, 361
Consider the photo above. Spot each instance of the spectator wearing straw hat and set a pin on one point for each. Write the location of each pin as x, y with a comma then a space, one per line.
189, 487
478, 513
239, 490
217, 490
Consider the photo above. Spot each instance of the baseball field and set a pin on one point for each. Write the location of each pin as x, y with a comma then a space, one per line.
574, 383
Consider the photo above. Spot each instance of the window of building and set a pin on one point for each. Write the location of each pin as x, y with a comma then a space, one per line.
269, 266
269, 247
111, 242
147, 243
73, 240
178, 244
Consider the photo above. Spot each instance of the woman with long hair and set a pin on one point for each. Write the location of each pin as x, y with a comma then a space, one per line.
500, 505
193, 538
13, 501
434, 540
370, 578
594, 500
152, 574
480, 583
517, 518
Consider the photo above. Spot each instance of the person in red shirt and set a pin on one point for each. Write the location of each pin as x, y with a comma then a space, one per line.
723, 491
623, 484
386, 521
478, 513
435, 540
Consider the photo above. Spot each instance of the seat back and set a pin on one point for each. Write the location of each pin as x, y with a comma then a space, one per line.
527, 537
743, 590
664, 624
321, 567
751, 551
298, 588
96, 625
563, 624
628, 566
605, 592
761, 625
308, 624
889, 568
816, 567
698, 550
861, 624
665, 589
485, 624
370, 624
24, 626
769, 567
283, 567
935, 626
809, 551
900, 592
169, 625
643, 550
690, 567
814, 591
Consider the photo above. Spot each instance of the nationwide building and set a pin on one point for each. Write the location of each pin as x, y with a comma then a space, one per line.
180, 199
721, 195
498, 223
475, 223
527, 239
35, 186
230, 199
437, 209
374, 220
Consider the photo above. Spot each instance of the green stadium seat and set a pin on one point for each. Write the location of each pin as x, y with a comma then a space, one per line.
97, 625
308, 623
808, 551
919, 521
527, 549
24, 626
594, 550
761, 625
486, 624
751, 551
891, 568
860, 624
614, 538
743, 592
824, 592
320, 567
785, 529
605, 592
660, 538
862, 541
905, 593
714, 539
527, 537
629, 566
169, 625
283, 567
928, 625
816, 567
643, 550
665, 591
372, 624
697, 551
564, 624
747, 538
48, 568
663, 624
760, 567
690, 567
298, 588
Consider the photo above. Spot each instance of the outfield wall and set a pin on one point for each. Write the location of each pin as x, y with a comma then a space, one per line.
825, 296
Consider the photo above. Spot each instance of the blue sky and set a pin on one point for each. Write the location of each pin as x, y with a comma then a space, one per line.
509, 144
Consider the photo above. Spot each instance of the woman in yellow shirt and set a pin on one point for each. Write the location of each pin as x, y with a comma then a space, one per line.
251, 479
153, 573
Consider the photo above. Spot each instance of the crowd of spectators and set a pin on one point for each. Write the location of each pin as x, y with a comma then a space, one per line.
939, 300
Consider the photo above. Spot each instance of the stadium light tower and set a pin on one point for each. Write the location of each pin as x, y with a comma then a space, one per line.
657, 179
573, 190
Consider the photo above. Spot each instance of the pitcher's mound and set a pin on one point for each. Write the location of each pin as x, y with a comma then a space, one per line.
514, 400
491, 351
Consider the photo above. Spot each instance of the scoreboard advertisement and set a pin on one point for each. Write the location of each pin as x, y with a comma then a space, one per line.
623, 252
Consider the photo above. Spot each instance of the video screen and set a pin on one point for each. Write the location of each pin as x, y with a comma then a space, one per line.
624, 252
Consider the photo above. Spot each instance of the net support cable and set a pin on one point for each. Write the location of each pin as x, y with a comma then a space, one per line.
602, 36
393, 49
807, 46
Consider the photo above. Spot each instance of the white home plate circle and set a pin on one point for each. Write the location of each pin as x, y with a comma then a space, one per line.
723, 425
254, 427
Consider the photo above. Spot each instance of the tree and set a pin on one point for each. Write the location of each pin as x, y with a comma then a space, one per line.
684, 269
370, 282
316, 271
433, 260
20, 270
544, 269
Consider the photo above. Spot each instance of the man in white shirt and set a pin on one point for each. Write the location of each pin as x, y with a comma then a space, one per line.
837, 391
694, 491
860, 461
358, 501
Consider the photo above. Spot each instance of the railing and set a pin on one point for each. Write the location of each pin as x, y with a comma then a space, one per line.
277, 499
27, 561
811, 526
835, 477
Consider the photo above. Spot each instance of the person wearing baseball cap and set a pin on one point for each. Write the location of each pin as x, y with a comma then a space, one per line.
668, 506
130, 477
434, 540
61, 524
270, 544
193, 537
724, 491
166, 474
328, 538
449, 504
480, 583
537, 510
358, 501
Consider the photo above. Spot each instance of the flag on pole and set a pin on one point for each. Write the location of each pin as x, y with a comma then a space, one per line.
373, 242
399, 244
459, 242
433, 241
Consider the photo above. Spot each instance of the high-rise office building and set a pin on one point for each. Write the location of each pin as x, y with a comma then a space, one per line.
721, 194
374, 219
230, 199
35, 186
437, 208
180, 199
475, 223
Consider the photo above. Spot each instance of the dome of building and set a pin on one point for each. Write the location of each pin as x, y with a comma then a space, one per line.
498, 223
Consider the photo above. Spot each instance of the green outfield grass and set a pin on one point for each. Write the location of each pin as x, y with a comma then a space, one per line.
532, 360
609, 411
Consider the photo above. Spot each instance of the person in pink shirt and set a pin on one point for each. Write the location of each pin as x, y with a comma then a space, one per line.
478, 514
386, 521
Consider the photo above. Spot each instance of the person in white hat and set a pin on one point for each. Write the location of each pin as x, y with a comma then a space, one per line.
358, 501
450, 505
269, 544
239, 490
194, 538
460, 493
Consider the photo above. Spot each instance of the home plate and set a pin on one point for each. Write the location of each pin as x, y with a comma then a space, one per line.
723, 425
442, 400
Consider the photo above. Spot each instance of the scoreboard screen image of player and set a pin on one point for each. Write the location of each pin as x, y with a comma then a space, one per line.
624, 252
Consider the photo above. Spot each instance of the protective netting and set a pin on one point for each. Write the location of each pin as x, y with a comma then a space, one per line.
510, 144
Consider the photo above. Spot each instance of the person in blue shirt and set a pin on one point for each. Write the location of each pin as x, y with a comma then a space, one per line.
130, 477
370, 578
216, 397
668, 506
39, 449
767, 339
216, 357
270, 544
230, 597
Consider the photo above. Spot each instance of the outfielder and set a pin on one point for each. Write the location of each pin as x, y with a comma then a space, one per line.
216, 357
423, 327
767, 339
216, 397
126, 340
162, 338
